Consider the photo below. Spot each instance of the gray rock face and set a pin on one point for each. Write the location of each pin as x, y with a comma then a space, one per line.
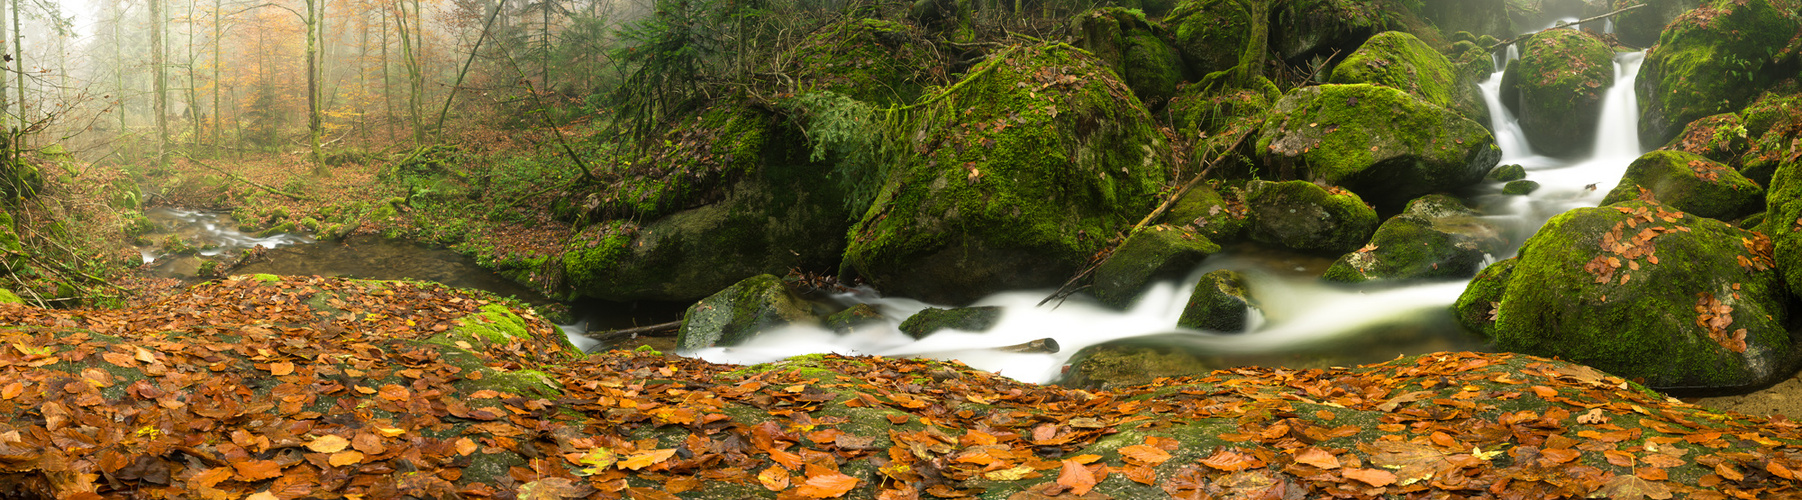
739, 312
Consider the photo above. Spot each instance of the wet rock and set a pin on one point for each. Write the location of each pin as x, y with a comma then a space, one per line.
1506, 173
1135, 49
1639, 27
1384, 144
1646, 292
1564, 75
1026, 170
854, 317
874, 61
1476, 307
1131, 362
1305, 29
735, 197
739, 312
1155, 253
1398, 60
1218, 216
1221, 302
1520, 188
1436, 237
1711, 60
968, 319
1691, 183
1302, 216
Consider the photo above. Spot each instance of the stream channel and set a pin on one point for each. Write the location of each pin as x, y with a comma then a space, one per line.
1304, 322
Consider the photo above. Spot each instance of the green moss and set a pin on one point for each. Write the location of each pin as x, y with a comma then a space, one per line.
266, 278
733, 315
853, 318
1380, 142
880, 62
1783, 221
1399, 60
1476, 307
1302, 216
1134, 48
1028, 165
1208, 212
932, 319
1520, 188
1563, 76
1436, 237
1155, 253
1644, 319
1220, 302
1712, 59
1691, 183
1505, 173
8, 297
1209, 33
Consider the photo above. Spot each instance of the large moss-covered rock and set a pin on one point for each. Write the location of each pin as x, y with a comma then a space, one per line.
1646, 292
1783, 219
1301, 215
1400, 60
1135, 48
1436, 237
1773, 125
1722, 138
1221, 302
1220, 216
1640, 27
1384, 144
1691, 183
1217, 118
875, 61
739, 312
933, 319
1159, 252
1026, 168
1305, 29
1711, 60
1210, 34
1476, 307
1564, 74
699, 216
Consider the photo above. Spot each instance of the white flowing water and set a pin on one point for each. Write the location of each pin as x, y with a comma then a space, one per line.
1300, 313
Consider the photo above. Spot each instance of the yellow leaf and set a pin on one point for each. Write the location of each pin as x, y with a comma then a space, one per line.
1014, 474
328, 443
646, 459
344, 458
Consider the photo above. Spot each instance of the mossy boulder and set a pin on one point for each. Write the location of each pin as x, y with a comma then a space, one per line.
1159, 252
1691, 183
1722, 138
1135, 48
668, 230
1774, 126
1713, 59
1384, 144
1302, 30
854, 317
1131, 362
1436, 237
1397, 59
880, 62
1301, 215
1210, 34
1217, 118
1209, 212
1221, 302
1647, 292
1783, 220
1505, 173
968, 319
739, 312
1564, 74
1024, 170
1640, 27
1478, 17
1520, 188
1476, 307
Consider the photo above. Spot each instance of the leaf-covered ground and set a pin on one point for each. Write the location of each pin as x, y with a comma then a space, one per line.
322, 388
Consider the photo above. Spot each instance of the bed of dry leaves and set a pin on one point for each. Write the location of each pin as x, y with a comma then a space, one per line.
325, 388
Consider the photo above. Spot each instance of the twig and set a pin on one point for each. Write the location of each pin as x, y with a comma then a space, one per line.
1505, 43
238, 178
1066, 289
627, 332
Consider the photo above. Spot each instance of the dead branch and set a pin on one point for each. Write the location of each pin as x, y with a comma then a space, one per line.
1505, 43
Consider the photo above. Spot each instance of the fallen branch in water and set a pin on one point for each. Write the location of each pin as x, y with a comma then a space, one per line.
1069, 287
632, 332
1505, 43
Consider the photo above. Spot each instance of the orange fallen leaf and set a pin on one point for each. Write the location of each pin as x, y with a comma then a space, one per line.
343, 458
828, 485
281, 368
1076, 477
1373, 477
646, 459
774, 478
1318, 458
328, 443
1144, 454
465, 446
257, 470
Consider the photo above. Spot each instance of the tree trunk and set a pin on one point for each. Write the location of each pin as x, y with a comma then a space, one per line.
159, 103
314, 7
1251, 59
218, 46
19, 74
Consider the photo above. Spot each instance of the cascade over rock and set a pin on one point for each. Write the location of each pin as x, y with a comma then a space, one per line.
730, 196
1436, 237
1382, 143
1563, 76
1713, 59
1644, 291
1221, 302
1024, 170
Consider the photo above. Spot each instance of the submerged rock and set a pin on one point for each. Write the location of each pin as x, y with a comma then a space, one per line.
1691, 183
1643, 291
1221, 302
1300, 215
852, 318
734, 315
1436, 237
1476, 307
1711, 60
969, 319
736, 197
1154, 253
1520, 188
1382, 143
1564, 74
1024, 171
1135, 49
1505, 173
